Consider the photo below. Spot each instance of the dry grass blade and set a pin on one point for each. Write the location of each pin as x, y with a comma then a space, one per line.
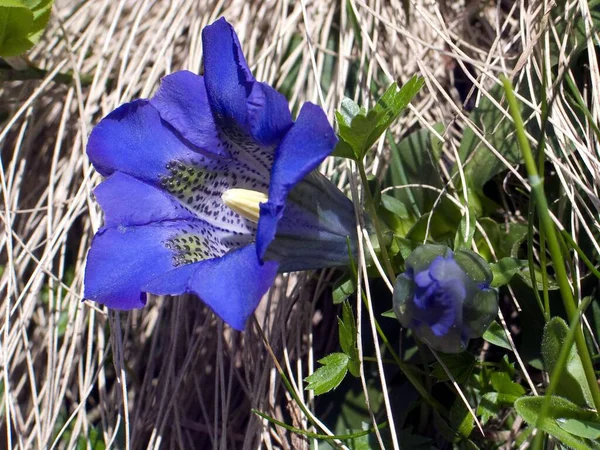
171, 375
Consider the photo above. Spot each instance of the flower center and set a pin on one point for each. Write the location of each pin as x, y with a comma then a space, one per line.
245, 202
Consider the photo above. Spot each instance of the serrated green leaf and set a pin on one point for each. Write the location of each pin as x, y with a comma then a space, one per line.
495, 335
460, 365
581, 428
488, 406
365, 129
329, 375
41, 15
21, 24
502, 383
505, 269
573, 383
560, 409
16, 22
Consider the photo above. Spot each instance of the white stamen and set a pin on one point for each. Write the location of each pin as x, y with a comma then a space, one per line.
245, 202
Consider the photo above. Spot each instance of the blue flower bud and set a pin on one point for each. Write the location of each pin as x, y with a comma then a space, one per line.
445, 297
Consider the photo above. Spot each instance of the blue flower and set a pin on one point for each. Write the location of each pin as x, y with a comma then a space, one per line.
211, 190
445, 297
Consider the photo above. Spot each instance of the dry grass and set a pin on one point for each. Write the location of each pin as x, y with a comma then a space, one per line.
171, 375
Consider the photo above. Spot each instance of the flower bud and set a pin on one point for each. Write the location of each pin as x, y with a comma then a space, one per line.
445, 297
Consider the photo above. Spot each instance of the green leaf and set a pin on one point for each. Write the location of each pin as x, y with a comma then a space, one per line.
461, 420
581, 428
408, 440
16, 22
502, 383
443, 224
21, 24
343, 289
395, 215
505, 269
460, 365
348, 338
573, 383
525, 275
495, 335
491, 403
41, 15
329, 375
480, 164
415, 161
464, 236
343, 149
395, 206
93, 440
576, 23
505, 241
390, 314
488, 406
348, 110
364, 129
560, 410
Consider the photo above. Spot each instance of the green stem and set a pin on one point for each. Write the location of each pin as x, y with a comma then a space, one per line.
373, 213
541, 152
562, 278
559, 366
409, 372
285, 380
531, 262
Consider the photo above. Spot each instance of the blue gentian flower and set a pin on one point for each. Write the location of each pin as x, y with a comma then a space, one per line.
211, 189
445, 297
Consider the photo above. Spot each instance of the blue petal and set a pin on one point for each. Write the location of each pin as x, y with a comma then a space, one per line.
446, 269
134, 139
268, 114
181, 100
310, 140
445, 320
226, 74
423, 279
231, 286
425, 296
121, 260
127, 201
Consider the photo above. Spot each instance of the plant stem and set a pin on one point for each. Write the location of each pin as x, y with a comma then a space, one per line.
562, 278
411, 374
559, 366
373, 213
